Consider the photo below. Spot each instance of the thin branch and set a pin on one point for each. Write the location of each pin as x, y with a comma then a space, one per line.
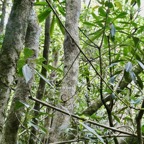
80, 118
54, 11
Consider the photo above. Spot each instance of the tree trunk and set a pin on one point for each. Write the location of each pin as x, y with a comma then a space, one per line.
11, 48
4, 4
41, 88
22, 90
61, 122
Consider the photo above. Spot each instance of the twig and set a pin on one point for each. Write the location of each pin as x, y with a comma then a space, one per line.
80, 118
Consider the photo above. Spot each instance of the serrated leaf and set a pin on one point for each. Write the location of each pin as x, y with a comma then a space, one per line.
141, 64
27, 73
93, 131
43, 15
46, 80
128, 67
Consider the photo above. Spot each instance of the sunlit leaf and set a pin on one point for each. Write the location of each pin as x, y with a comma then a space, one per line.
40, 4
118, 4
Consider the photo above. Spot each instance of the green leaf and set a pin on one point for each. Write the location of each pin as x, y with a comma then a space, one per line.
101, 11
139, 3
139, 82
122, 15
50, 67
141, 64
89, 24
109, 4
116, 118
40, 4
136, 40
19, 104
43, 15
28, 53
60, 26
118, 4
93, 131
52, 25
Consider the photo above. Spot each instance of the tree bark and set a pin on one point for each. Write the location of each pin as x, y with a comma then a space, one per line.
4, 4
22, 89
61, 122
11, 48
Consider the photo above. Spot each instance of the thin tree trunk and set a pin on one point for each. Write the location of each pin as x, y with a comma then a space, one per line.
62, 122
11, 48
22, 89
41, 88
48, 120
4, 3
